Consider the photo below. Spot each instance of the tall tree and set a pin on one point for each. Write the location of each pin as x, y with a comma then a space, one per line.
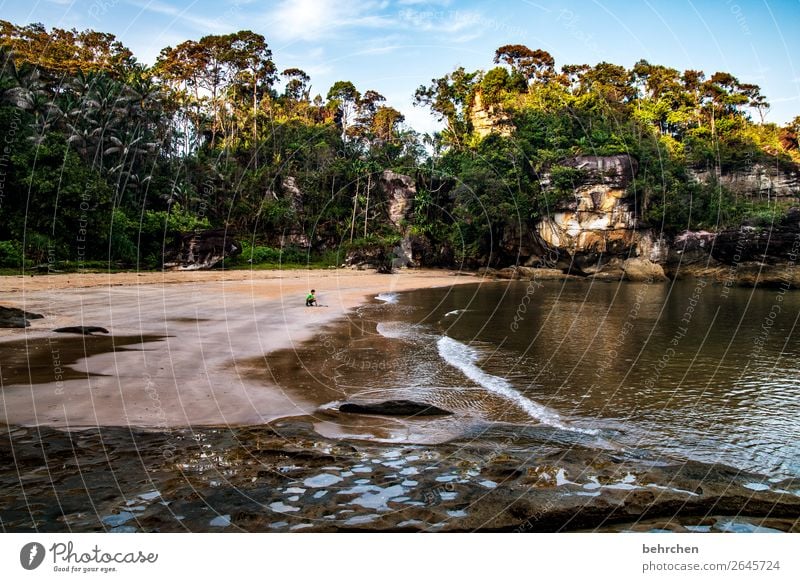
531, 64
344, 98
449, 97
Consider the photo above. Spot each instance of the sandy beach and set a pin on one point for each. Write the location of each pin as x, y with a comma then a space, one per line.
177, 341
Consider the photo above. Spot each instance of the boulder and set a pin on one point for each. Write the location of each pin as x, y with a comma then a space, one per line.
394, 408
643, 270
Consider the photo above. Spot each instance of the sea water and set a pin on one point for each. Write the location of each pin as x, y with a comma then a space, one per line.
687, 369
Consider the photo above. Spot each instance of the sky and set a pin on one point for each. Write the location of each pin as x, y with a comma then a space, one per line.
394, 46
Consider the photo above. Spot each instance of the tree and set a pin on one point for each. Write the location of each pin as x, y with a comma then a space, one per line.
250, 58
344, 98
609, 81
297, 87
449, 97
531, 64
385, 122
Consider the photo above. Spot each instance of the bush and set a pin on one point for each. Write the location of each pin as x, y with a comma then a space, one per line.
259, 255
10, 254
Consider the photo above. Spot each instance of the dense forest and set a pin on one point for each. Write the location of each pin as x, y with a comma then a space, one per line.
106, 160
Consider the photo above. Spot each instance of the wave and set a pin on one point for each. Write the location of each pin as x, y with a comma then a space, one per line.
387, 297
464, 358
396, 330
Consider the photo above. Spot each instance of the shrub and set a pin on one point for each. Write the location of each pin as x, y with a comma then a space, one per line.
10, 254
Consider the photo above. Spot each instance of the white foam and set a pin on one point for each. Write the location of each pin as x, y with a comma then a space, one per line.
454, 312
463, 357
387, 297
396, 330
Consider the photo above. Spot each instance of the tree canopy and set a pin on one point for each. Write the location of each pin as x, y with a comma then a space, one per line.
110, 160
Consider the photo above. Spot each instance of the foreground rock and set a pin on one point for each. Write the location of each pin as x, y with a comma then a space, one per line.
394, 408
11, 317
81, 329
285, 477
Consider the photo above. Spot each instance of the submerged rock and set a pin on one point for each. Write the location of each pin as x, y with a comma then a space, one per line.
394, 408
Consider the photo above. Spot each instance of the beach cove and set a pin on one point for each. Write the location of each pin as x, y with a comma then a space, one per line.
212, 405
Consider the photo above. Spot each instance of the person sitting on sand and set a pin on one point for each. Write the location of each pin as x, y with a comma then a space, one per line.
311, 299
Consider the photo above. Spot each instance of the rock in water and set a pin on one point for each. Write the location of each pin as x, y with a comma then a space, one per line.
394, 408
643, 270
82, 329
12, 317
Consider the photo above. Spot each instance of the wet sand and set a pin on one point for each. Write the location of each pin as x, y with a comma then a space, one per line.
177, 343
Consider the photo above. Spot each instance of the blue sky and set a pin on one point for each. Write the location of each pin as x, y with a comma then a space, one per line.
393, 46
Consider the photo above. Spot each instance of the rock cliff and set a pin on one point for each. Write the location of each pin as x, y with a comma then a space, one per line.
202, 250
757, 180
599, 228
598, 232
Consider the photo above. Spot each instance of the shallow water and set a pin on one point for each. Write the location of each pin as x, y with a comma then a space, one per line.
684, 369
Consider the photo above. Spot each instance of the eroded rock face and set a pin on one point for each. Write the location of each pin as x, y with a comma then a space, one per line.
203, 250
400, 191
617, 171
758, 180
487, 119
293, 193
749, 255
598, 224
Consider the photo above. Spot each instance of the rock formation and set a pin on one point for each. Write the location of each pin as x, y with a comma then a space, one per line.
757, 180
203, 250
399, 191
488, 119
600, 223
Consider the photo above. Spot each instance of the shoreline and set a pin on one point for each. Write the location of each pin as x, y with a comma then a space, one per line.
200, 327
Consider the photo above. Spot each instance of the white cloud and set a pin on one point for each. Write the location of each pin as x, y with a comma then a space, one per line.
312, 20
428, 2
185, 16
457, 25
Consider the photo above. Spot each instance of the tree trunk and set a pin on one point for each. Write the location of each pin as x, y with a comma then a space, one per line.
366, 208
255, 124
353, 219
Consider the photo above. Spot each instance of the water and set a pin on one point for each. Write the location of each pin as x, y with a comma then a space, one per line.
685, 370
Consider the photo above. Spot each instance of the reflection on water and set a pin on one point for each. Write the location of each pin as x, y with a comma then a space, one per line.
681, 369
